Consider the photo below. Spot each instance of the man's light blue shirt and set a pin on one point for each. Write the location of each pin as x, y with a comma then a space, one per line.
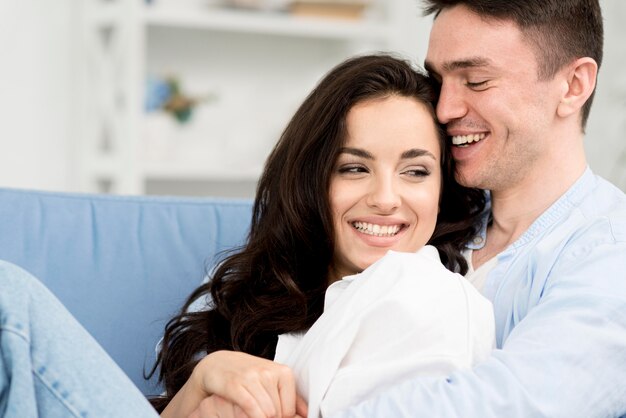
559, 296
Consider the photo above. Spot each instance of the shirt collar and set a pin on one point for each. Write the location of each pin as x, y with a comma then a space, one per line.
571, 198
478, 240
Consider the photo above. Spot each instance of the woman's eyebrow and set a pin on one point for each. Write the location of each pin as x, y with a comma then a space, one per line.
416, 152
357, 152
406, 155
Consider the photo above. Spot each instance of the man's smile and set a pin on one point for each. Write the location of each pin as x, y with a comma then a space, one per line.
465, 140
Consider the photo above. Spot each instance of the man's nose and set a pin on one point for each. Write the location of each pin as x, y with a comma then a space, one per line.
451, 104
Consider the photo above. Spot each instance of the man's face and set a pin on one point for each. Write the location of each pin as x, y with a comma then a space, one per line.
498, 115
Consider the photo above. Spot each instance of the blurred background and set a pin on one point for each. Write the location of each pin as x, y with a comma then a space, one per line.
187, 97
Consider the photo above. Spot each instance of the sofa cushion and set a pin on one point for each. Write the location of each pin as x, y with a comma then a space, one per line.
121, 265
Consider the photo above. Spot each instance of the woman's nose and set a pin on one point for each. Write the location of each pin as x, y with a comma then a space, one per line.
384, 195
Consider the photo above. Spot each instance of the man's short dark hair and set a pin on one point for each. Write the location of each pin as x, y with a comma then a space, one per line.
560, 30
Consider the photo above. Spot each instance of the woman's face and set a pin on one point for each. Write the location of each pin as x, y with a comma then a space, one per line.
385, 185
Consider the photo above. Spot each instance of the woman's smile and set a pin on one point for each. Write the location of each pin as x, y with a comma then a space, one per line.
381, 234
377, 229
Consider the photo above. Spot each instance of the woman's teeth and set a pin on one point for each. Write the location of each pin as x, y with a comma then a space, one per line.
466, 139
377, 230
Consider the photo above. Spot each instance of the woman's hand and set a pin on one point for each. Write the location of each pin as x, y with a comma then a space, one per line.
216, 406
257, 387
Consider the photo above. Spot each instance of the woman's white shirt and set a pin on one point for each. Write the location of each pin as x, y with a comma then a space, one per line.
404, 315
478, 277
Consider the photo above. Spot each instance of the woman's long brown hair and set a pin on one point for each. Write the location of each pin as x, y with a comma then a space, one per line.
275, 283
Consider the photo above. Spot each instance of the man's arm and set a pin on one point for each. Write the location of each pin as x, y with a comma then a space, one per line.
565, 358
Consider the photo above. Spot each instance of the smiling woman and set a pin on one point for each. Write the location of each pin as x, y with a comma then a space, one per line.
384, 190
337, 261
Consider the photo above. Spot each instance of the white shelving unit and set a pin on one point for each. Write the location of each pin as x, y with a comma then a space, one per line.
259, 65
266, 23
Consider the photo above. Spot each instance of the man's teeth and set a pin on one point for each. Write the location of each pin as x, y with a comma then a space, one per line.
377, 230
466, 139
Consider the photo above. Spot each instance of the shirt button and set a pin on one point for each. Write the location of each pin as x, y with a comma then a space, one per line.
477, 240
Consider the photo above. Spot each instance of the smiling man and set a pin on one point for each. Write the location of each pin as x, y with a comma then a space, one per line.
517, 80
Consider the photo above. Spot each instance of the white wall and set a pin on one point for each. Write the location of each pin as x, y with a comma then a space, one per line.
606, 131
35, 93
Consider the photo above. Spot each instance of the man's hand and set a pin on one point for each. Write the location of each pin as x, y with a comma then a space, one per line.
247, 386
216, 406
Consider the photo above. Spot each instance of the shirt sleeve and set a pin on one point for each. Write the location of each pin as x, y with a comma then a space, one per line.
566, 357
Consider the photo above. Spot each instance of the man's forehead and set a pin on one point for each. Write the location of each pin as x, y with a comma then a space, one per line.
461, 39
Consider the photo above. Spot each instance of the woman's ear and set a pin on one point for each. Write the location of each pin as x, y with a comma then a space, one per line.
579, 85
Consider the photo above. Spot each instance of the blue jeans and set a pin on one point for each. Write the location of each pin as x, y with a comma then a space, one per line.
50, 366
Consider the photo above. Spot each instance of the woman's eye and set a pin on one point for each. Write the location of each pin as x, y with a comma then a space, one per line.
417, 172
352, 169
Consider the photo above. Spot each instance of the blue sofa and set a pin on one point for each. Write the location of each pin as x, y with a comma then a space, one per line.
122, 265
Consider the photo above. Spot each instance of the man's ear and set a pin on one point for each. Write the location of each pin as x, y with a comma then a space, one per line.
579, 83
